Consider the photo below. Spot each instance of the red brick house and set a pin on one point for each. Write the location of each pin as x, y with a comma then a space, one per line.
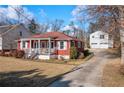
50, 45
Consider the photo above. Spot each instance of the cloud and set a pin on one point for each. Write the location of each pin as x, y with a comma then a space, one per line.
77, 10
78, 13
71, 28
43, 13
10, 12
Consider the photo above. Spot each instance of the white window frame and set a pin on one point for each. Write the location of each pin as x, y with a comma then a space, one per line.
64, 45
51, 44
24, 44
102, 37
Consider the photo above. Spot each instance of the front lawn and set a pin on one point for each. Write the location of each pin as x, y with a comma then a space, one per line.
19, 72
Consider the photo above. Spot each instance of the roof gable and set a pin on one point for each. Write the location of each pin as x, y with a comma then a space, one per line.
99, 32
7, 28
4, 28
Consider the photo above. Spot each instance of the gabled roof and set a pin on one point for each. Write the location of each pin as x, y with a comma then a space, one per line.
5, 29
55, 35
98, 32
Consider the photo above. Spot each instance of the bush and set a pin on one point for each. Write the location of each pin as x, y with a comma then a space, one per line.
2, 53
13, 53
20, 54
86, 53
73, 53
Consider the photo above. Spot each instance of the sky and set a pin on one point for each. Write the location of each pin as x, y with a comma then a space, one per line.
46, 12
52, 12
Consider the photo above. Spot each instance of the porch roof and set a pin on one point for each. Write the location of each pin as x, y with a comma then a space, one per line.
55, 36
52, 36
34, 39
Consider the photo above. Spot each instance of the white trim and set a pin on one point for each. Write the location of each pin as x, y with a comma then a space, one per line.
46, 57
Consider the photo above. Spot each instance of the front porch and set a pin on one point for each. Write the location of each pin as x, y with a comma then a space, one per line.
41, 48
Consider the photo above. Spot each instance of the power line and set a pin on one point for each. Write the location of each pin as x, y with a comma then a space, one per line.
21, 13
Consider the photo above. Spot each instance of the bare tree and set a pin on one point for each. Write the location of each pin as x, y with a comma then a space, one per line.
19, 11
56, 25
106, 18
44, 27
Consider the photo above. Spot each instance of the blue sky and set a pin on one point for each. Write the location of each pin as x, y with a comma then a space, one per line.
42, 13
52, 12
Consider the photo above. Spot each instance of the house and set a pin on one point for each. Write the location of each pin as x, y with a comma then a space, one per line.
49, 45
100, 39
10, 33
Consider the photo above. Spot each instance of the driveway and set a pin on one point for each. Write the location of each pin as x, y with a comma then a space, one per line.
85, 75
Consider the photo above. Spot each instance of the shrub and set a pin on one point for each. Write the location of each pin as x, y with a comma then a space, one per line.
73, 53
86, 53
2, 53
20, 54
13, 53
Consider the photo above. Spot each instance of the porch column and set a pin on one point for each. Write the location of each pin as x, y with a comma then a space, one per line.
30, 46
39, 45
49, 46
21, 44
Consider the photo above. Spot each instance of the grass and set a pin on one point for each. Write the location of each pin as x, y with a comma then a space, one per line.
111, 74
74, 62
26, 73
18, 72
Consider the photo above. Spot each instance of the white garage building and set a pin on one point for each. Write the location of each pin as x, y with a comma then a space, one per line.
100, 39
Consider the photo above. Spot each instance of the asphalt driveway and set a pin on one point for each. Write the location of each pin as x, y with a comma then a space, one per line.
85, 75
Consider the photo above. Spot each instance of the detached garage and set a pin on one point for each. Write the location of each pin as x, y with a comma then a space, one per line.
100, 39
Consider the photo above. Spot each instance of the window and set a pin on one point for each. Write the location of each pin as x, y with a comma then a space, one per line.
52, 44
20, 33
110, 37
101, 36
93, 43
72, 43
103, 43
23, 44
79, 44
61, 44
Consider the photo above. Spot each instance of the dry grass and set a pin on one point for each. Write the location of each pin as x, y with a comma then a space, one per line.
73, 62
111, 75
18, 72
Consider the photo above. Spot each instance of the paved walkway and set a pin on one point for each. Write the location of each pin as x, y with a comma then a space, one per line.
85, 75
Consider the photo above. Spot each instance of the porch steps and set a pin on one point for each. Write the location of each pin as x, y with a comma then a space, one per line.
34, 56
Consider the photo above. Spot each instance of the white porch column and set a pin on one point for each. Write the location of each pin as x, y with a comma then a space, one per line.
20, 44
30, 46
49, 46
39, 45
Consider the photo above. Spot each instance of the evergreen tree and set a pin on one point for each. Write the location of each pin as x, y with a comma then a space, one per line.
33, 26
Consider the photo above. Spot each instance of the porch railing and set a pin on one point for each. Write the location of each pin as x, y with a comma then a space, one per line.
43, 51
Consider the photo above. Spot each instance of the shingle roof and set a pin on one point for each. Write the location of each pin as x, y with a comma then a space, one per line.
6, 28
55, 35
